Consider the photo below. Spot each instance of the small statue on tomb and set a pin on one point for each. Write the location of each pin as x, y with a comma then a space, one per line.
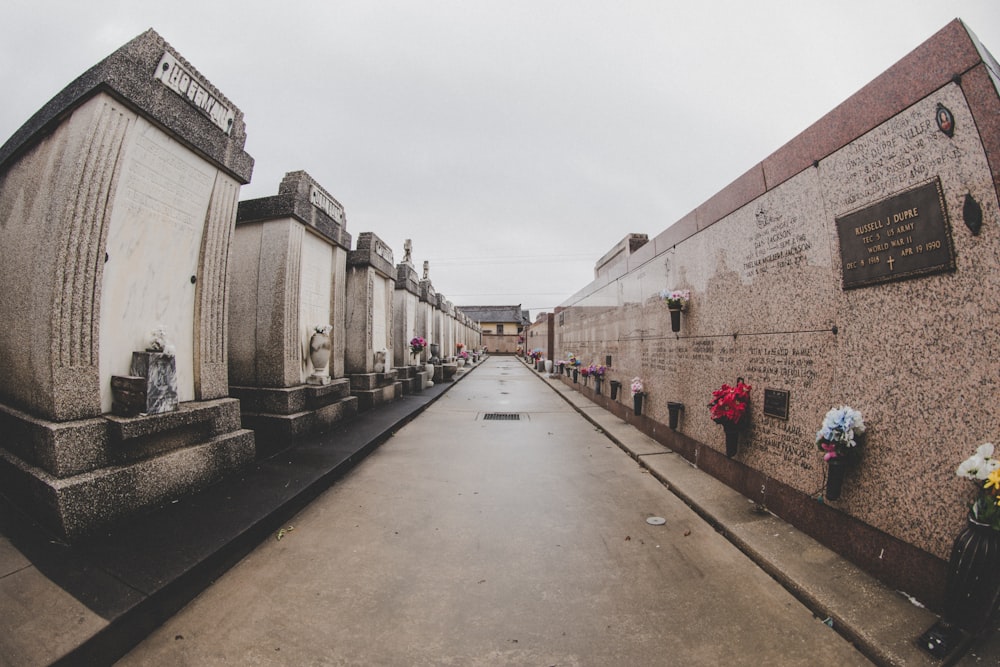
427, 270
160, 342
407, 250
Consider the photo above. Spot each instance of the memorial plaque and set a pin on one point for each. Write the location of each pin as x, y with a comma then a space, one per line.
905, 236
776, 403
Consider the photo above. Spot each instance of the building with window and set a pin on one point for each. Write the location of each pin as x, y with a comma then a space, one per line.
502, 326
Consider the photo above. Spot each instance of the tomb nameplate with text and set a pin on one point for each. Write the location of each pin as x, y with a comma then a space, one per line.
776, 403
905, 236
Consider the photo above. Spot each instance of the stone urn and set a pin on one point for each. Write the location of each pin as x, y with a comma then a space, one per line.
429, 369
319, 351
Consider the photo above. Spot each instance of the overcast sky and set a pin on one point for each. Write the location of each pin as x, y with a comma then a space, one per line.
514, 142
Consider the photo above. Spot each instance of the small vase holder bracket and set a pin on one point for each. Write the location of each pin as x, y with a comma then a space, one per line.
675, 318
674, 409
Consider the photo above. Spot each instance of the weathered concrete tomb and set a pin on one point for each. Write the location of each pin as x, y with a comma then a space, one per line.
857, 265
117, 205
288, 297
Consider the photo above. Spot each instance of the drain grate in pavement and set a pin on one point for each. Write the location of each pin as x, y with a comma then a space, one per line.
502, 416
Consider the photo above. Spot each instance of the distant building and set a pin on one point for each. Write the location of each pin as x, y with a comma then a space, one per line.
503, 326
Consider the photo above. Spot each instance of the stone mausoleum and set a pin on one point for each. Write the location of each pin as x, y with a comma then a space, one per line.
855, 266
117, 203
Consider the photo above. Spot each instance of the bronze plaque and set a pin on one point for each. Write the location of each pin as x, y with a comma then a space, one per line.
905, 236
776, 403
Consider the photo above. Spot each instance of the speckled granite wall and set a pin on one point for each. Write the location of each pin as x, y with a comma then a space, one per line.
763, 261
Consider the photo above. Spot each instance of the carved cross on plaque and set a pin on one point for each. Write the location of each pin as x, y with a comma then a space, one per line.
890, 262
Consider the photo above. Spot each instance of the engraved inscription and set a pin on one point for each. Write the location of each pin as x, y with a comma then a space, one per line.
893, 156
778, 244
904, 236
327, 205
791, 364
175, 77
783, 440
163, 183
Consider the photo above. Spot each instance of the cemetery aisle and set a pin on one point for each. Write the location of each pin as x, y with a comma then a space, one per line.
471, 541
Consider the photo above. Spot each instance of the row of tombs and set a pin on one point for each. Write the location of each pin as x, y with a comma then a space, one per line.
159, 331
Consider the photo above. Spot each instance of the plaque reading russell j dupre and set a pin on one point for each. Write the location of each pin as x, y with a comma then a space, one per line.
904, 236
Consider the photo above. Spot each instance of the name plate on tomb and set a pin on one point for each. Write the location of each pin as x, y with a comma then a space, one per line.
175, 77
327, 205
904, 236
776, 403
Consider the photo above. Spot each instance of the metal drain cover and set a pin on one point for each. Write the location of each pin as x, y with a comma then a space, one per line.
656, 521
502, 416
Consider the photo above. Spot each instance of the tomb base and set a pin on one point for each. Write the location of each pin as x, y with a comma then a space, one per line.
79, 476
373, 389
412, 378
280, 412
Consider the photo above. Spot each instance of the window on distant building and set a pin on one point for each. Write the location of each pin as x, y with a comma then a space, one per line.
499, 329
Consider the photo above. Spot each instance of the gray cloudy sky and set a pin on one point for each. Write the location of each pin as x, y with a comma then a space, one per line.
515, 142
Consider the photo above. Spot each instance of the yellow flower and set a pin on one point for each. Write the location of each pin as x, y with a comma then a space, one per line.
993, 480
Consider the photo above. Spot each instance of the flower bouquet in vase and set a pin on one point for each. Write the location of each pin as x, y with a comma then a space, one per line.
677, 301
840, 438
973, 588
729, 408
417, 345
637, 395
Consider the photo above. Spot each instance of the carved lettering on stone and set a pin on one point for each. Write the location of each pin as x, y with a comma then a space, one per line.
178, 79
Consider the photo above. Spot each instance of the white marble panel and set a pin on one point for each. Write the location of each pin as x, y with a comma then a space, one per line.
153, 247
316, 280
380, 335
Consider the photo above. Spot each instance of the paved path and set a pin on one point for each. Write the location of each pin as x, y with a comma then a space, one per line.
464, 541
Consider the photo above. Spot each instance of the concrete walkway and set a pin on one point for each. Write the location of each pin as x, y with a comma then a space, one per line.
463, 539
470, 541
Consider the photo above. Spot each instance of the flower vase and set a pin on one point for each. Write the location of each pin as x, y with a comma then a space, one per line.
675, 318
732, 439
973, 588
637, 403
615, 387
460, 361
836, 469
674, 410
548, 365
576, 375
319, 354
597, 386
